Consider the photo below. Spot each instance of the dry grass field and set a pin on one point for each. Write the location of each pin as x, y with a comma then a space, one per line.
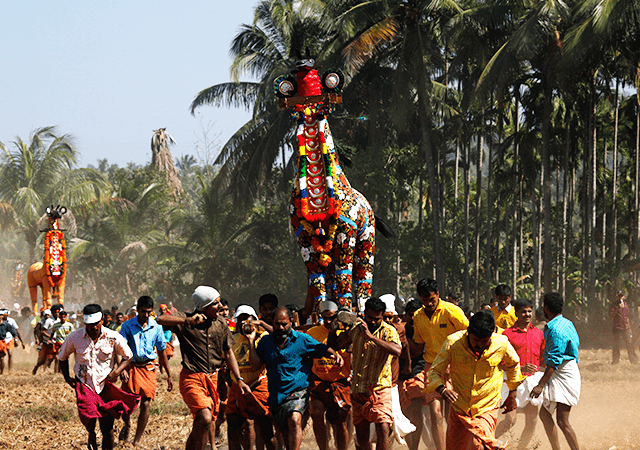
39, 412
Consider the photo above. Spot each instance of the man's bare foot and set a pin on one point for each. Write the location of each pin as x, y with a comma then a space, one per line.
124, 434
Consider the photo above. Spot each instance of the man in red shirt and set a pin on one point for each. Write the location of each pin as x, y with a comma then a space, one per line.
528, 341
619, 314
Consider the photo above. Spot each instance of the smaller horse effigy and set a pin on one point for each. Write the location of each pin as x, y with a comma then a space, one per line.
50, 274
335, 225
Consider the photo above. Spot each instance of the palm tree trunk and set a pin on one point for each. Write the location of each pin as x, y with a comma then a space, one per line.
516, 190
480, 145
546, 187
614, 194
467, 262
489, 252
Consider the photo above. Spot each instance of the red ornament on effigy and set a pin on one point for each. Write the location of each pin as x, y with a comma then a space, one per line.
308, 83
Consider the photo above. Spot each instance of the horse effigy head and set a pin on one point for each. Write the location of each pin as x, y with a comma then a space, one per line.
304, 80
55, 214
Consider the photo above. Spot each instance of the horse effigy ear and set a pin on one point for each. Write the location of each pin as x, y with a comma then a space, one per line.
298, 55
63, 210
332, 80
48, 210
285, 86
308, 56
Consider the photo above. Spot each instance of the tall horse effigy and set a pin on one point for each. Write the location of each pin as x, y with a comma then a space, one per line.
334, 223
51, 273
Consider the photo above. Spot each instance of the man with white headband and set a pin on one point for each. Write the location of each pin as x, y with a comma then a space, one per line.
205, 343
96, 350
329, 385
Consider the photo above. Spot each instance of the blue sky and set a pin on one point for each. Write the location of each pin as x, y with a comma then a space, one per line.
110, 72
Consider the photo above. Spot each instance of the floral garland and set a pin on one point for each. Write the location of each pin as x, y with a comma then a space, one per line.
321, 241
54, 253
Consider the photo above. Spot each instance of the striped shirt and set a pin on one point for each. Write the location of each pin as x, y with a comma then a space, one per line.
561, 341
371, 365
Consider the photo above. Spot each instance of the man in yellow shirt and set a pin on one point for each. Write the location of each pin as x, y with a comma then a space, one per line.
329, 385
475, 359
504, 312
433, 323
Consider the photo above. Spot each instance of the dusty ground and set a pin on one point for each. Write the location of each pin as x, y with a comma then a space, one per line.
40, 413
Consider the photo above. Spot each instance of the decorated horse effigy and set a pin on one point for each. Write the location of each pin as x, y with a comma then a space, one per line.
334, 223
50, 274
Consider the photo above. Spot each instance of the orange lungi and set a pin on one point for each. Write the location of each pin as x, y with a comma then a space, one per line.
199, 391
10, 344
334, 395
249, 405
472, 433
3, 347
48, 351
142, 380
170, 350
373, 406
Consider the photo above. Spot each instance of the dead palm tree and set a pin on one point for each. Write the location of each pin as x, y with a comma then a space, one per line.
162, 160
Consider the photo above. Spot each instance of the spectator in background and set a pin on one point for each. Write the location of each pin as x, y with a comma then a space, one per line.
452, 298
621, 327
10, 339
503, 312
5, 327
225, 312
117, 325
267, 304
43, 333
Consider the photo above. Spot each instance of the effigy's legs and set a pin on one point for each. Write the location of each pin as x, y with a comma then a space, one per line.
365, 252
344, 253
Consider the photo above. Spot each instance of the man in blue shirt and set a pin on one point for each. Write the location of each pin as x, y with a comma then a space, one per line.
147, 341
560, 384
288, 356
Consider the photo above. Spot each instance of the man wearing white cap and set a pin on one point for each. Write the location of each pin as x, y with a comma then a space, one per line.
205, 343
329, 384
242, 409
96, 350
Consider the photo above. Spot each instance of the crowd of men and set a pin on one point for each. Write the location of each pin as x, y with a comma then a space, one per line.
375, 373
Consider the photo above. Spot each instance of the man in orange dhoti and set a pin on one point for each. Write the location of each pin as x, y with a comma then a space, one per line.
205, 342
476, 358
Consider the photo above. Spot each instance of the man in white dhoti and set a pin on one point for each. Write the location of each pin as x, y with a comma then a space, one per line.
560, 384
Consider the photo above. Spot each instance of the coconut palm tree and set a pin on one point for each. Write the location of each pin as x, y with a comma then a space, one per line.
262, 50
162, 160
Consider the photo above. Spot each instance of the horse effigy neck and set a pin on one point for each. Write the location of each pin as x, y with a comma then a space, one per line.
315, 167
